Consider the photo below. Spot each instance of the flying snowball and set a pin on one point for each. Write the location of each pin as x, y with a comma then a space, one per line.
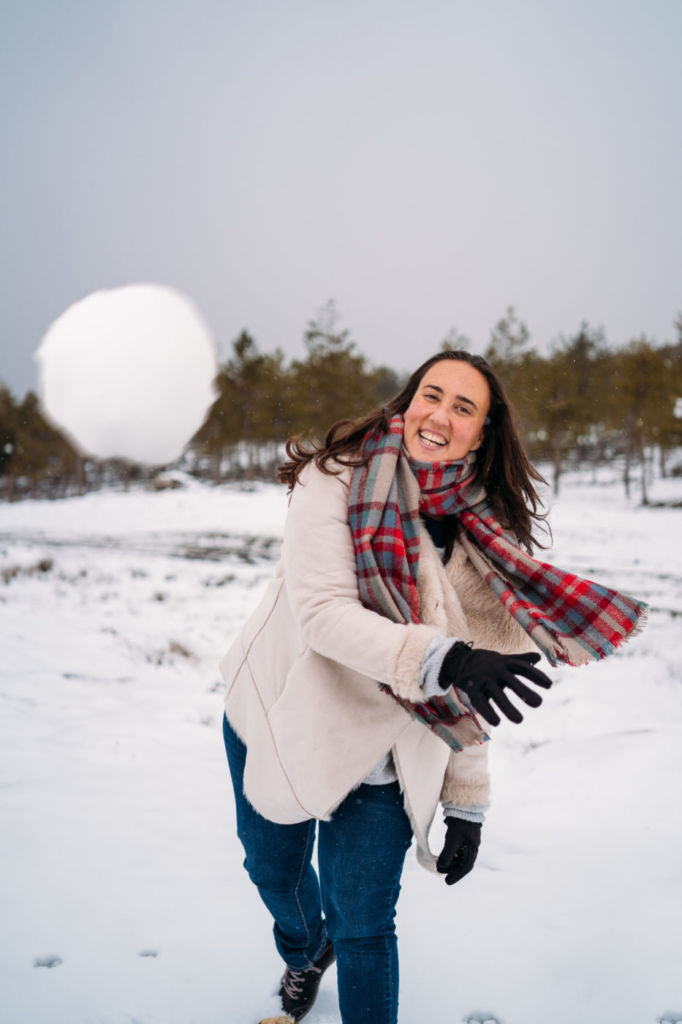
128, 373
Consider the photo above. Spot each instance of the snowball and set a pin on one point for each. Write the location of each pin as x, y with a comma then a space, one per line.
128, 373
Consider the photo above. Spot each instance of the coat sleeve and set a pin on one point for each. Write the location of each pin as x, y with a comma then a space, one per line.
467, 779
321, 579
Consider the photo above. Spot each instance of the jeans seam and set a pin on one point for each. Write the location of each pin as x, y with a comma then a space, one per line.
390, 991
236, 755
311, 829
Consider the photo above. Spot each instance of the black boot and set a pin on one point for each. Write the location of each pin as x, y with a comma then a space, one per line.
299, 989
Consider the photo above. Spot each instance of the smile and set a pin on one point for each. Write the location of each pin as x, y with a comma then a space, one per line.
430, 438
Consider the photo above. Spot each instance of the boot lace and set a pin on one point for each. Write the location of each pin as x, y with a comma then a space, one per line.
293, 981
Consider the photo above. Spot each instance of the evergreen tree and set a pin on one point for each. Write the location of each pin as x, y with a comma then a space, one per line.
220, 428
333, 382
567, 398
8, 439
670, 431
251, 411
520, 369
508, 342
455, 340
642, 403
42, 453
385, 383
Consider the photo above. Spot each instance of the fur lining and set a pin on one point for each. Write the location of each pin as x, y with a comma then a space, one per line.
489, 623
407, 666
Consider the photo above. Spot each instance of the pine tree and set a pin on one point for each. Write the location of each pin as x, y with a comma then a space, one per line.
642, 404
41, 453
567, 398
333, 382
8, 439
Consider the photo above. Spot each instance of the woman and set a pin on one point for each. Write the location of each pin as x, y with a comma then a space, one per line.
400, 615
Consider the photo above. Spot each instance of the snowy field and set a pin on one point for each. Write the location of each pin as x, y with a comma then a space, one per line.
123, 898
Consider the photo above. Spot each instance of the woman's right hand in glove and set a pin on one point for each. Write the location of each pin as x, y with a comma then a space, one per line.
484, 675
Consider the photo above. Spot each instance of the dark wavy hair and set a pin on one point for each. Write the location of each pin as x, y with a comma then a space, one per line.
502, 464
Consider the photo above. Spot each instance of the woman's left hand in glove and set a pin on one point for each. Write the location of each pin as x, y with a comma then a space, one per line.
460, 849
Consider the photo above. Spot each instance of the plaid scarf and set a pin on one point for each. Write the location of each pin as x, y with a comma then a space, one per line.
571, 620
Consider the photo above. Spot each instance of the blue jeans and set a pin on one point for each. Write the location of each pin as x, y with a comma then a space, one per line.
360, 856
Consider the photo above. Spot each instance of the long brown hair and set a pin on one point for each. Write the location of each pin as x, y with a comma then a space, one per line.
502, 463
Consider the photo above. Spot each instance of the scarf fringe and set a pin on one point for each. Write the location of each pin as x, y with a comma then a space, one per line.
567, 651
587, 643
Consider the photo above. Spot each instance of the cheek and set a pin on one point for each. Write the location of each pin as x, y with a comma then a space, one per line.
476, 434
411, 416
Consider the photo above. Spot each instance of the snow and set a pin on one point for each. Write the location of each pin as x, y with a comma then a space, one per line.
128, 373
123, 897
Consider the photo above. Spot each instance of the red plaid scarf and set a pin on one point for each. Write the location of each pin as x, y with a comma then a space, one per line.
570, 619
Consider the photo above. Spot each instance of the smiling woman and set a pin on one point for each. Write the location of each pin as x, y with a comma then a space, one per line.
462, 389
403, 615
445, 419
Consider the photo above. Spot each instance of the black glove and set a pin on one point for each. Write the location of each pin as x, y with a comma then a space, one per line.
459, 852
483, 675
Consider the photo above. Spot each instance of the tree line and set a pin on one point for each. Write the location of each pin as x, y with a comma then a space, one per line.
584, 401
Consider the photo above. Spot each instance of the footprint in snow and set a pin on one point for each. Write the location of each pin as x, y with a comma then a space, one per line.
148, 952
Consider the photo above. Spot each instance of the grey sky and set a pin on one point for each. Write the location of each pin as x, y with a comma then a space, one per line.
425, 164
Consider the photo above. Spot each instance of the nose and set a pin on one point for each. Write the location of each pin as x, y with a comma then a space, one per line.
439, 416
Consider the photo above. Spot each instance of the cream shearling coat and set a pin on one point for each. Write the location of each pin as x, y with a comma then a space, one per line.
302, 674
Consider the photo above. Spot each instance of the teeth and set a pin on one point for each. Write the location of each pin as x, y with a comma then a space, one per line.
433, 438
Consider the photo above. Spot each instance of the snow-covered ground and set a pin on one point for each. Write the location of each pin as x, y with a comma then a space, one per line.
123, 898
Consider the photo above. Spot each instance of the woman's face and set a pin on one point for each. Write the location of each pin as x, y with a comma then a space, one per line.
444, 421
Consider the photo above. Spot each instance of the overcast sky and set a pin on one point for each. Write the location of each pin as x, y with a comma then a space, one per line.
425, 164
